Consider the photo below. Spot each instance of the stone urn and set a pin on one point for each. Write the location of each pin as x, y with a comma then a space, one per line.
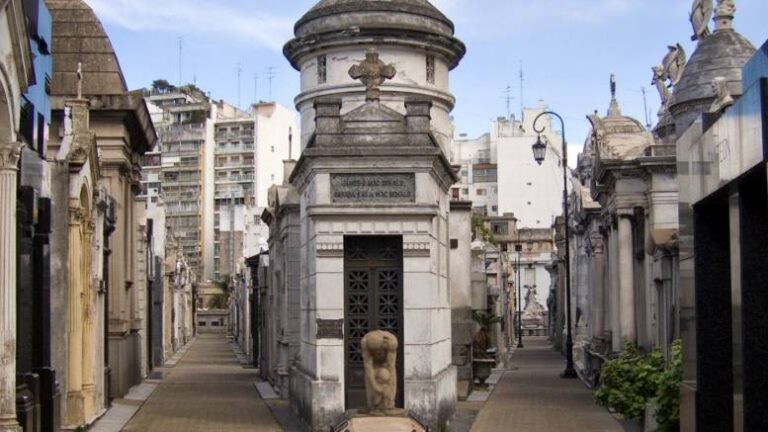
481, 369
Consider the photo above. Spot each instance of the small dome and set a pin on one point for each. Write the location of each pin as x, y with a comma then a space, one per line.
79, 37
335, 15
721, 54
619, 137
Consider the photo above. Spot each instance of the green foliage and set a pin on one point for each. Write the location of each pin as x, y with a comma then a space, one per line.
219, 301
161, 85
630, 381
485, 320
481, 342
481, 231
668, 392
222, 282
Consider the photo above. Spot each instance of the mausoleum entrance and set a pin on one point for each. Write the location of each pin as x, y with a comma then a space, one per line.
373, 300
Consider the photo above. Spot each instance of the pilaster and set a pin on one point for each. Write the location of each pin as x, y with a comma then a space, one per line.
89, 304
9, 158
74, 413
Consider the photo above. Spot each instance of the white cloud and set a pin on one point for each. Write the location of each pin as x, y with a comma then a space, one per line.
211, 17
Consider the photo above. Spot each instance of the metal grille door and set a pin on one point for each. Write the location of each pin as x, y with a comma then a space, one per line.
373, 293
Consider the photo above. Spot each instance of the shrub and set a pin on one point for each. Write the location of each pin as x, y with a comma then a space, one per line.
668, 392
630, 381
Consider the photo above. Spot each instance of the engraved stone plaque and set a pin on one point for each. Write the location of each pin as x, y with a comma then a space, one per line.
373, 188
330, 329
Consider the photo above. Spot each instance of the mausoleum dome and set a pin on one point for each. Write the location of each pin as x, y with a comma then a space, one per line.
79, 37
618, 137
331, 15
721, 54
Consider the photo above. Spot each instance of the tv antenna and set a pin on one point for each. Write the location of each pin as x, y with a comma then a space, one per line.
255, 87
508, 97
239, 87
180, 43
270, 77
522, 101
645, 108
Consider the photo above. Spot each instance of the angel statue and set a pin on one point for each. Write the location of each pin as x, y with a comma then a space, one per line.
660, 81
674, 63
701, 13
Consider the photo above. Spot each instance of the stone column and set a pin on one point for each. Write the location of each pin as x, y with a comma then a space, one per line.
9, 157
598, 286
626, 280
88, 320
74, 414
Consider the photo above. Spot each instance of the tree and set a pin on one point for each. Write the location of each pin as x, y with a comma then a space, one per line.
161, 85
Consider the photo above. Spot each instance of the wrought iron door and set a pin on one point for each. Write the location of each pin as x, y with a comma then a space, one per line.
373, 300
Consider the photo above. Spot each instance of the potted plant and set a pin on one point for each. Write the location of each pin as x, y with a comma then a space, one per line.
483, 359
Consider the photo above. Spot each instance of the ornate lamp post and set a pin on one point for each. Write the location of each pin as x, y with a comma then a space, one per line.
518, 250
539, 152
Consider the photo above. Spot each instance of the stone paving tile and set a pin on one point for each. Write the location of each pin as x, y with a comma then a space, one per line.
533, 398
207, 391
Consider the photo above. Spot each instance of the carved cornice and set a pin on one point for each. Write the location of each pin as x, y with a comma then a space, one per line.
330, 250
10, 154
416, 249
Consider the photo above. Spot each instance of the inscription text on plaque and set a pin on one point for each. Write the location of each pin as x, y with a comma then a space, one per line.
383, 188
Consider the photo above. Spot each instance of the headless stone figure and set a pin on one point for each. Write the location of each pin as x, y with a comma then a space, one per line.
379, 355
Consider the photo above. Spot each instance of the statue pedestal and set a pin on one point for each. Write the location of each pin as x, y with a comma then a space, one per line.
397, 422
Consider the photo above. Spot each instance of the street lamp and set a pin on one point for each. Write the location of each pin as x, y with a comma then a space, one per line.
519, 249
539, 153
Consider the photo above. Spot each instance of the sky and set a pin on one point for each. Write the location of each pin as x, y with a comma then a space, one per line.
567, 50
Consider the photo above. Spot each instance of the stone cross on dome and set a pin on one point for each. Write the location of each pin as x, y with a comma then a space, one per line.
372, 72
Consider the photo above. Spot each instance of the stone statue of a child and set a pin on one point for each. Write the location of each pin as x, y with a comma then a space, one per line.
379, 359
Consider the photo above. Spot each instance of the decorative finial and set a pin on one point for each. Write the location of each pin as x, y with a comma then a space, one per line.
726, 9
79, 80
372, 72
614, 110
701, 13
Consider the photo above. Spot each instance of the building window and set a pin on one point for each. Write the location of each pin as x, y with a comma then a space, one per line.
482, 192
465, 191
499, 228
494, 208
430, 69
485, 174
273, 149
322, 70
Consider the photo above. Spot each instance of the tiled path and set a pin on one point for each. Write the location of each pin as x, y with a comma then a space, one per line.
206, 391
533, 398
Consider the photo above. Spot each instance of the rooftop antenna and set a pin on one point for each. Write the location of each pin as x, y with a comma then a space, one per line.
270, 77
180, 42
522, 101
239, 73
645, 107
508, 98
255, 87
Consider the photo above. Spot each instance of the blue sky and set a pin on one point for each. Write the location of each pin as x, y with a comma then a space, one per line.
568, 50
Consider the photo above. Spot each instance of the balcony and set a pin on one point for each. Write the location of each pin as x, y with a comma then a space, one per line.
235, 149
235, 179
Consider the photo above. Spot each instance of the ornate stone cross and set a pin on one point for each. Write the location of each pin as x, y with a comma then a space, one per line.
372, 72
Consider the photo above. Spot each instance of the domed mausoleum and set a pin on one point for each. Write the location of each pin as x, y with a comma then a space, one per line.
412, 35
720, 54
363, 218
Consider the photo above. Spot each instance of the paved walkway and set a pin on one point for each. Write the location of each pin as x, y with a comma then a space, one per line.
533, 398
206, 391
